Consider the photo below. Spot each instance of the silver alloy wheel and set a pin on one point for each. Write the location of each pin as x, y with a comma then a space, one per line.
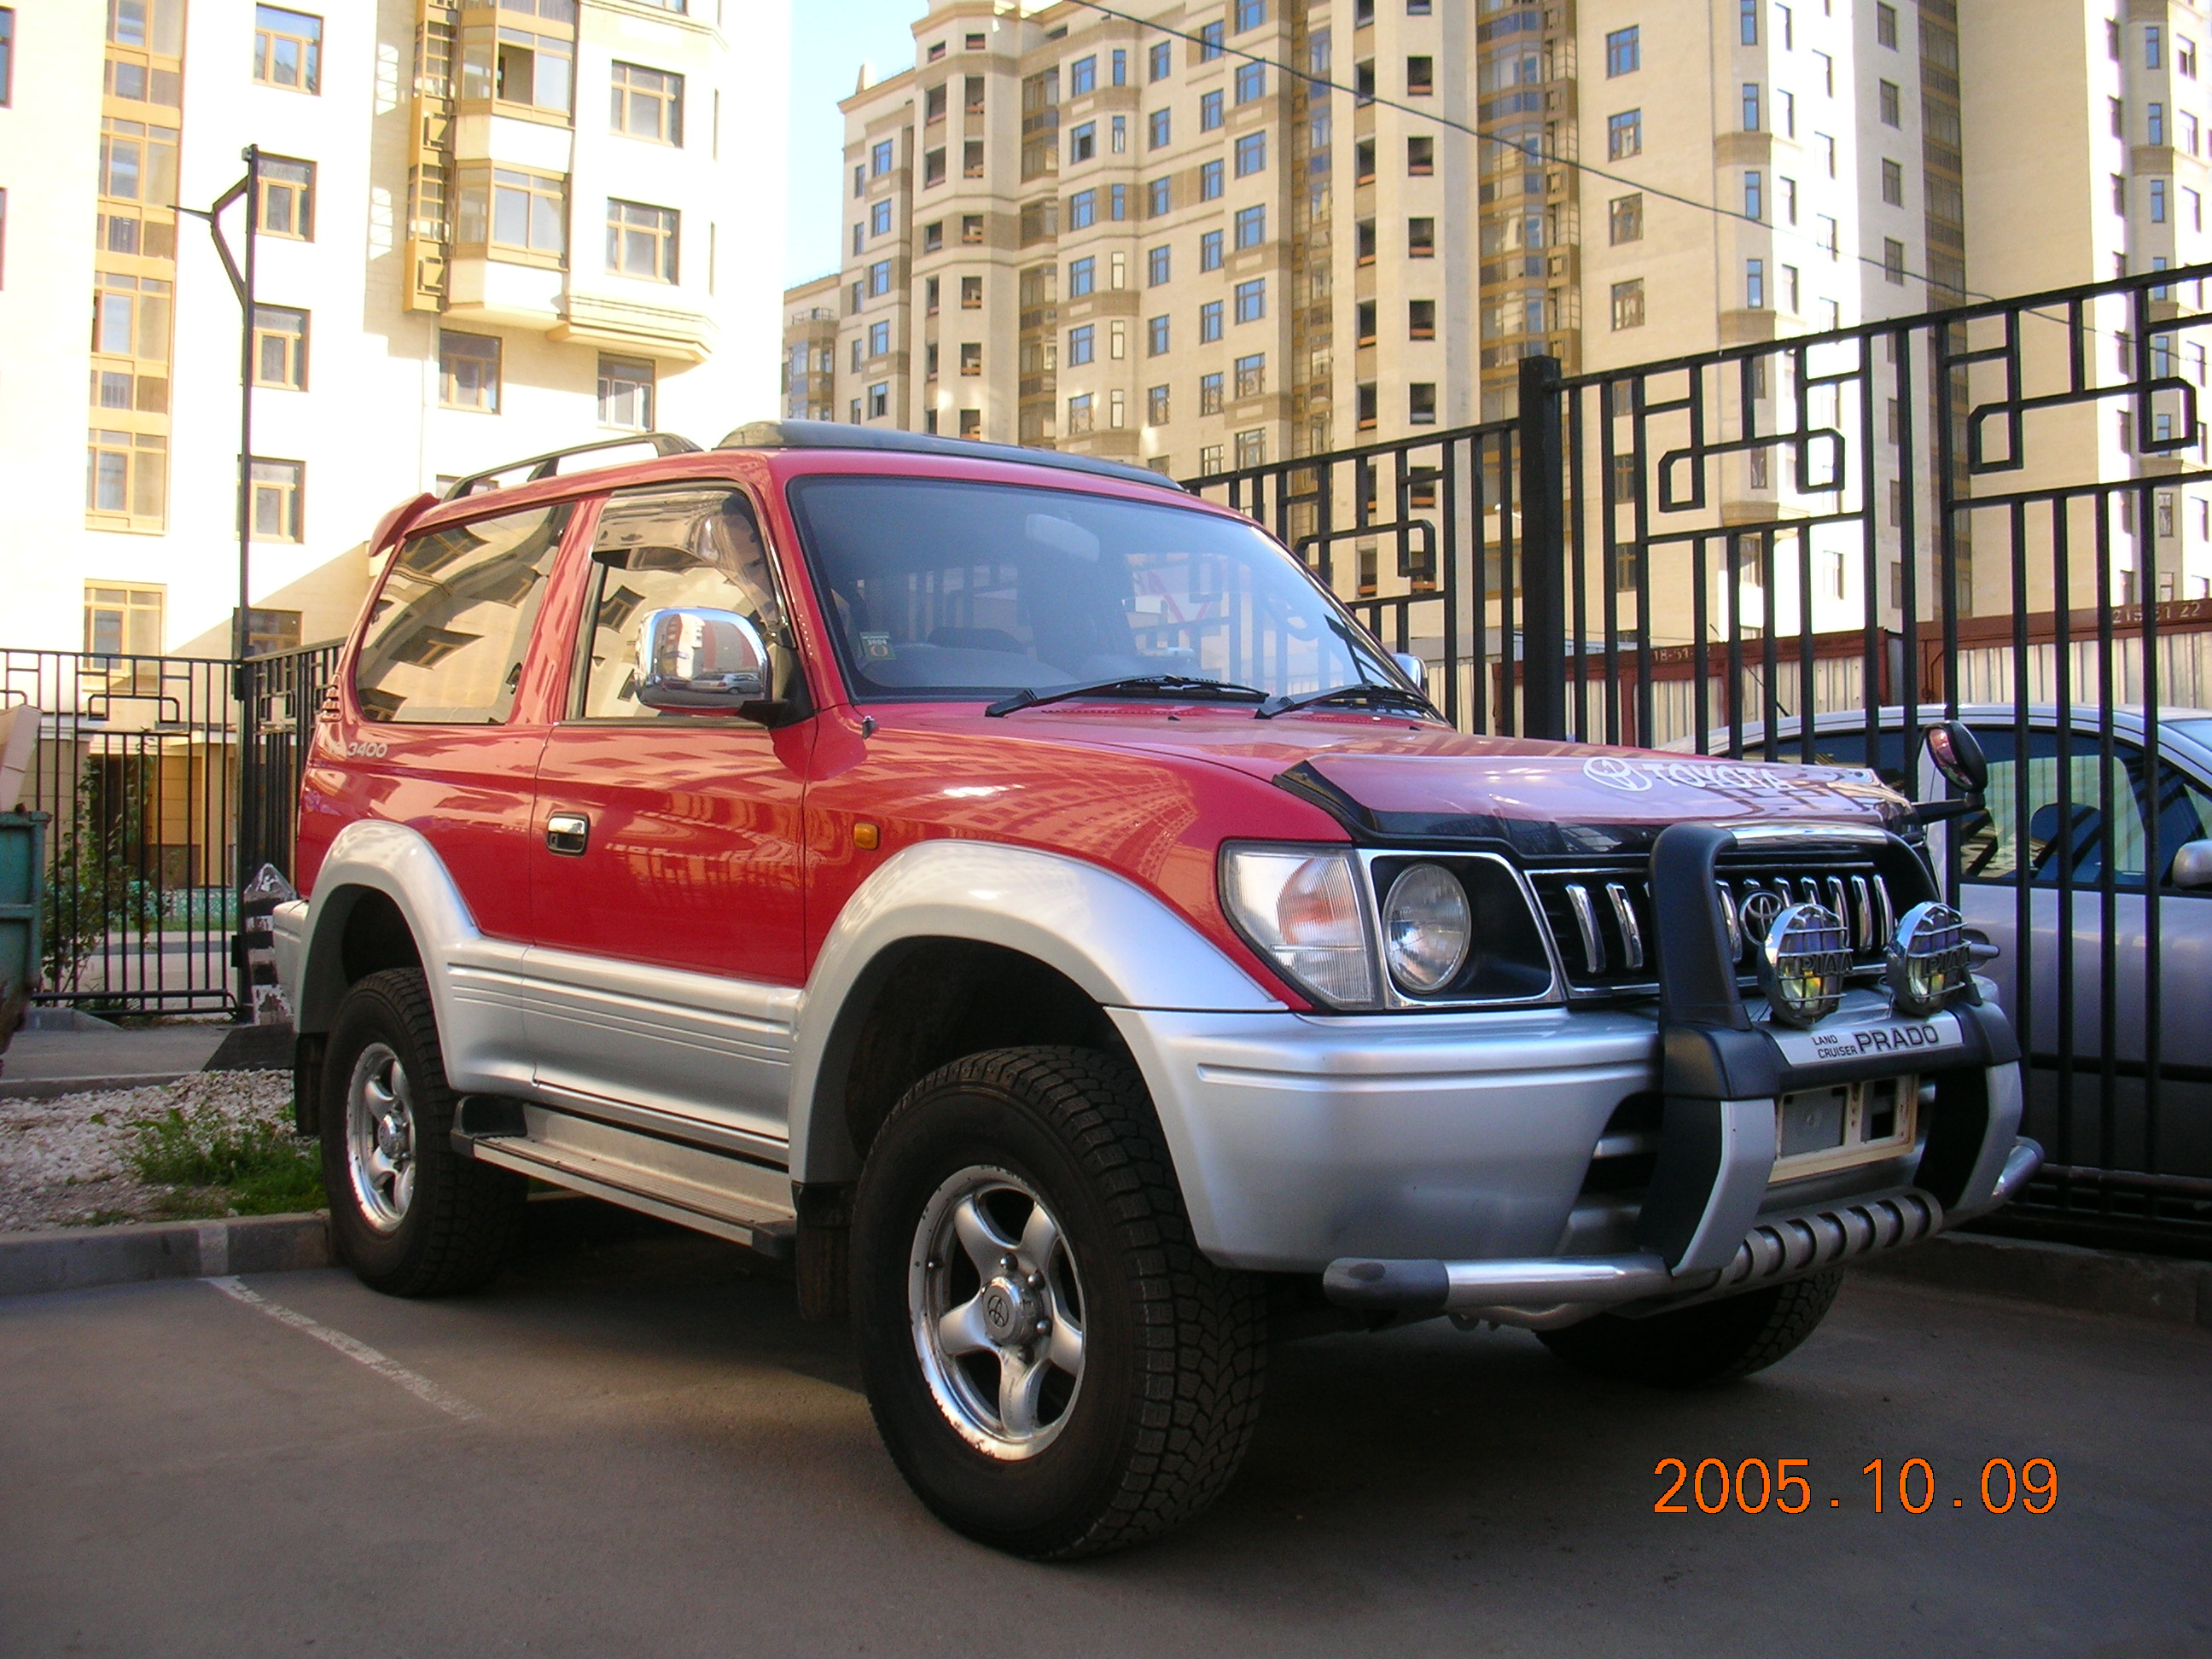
380, 1138
997, 1311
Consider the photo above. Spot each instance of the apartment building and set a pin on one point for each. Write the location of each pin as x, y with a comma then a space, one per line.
1160, 241
485, 232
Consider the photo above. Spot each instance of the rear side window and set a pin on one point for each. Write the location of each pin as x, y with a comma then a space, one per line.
453, 621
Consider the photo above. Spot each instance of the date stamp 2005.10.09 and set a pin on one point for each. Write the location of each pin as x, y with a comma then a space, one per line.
1754, 1487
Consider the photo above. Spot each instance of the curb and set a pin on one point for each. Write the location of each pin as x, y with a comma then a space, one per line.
78, 1258
2163, 1288
54, 1088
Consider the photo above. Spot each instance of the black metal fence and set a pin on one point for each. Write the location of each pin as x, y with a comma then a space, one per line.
1809, 549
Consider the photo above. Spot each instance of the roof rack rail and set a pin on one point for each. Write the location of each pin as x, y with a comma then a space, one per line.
548, 465
829, 435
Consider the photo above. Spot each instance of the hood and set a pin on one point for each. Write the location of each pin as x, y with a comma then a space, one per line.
1391, 778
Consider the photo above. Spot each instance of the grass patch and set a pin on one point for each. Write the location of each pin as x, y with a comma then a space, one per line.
226, 1165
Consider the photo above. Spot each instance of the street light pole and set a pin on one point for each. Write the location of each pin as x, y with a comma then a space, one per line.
241, 273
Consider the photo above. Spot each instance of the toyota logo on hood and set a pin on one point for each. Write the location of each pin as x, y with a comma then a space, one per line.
1616, 773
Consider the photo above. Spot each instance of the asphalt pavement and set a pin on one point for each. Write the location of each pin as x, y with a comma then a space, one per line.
638, 1449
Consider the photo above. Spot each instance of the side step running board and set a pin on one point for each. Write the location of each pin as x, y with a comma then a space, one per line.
731, 1198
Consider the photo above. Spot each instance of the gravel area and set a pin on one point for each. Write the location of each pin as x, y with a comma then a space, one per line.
63, 1163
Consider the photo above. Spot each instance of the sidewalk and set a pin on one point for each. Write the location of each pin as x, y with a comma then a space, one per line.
39, 1065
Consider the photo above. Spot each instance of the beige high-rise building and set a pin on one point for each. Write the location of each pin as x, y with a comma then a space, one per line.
487, 231
1159, 241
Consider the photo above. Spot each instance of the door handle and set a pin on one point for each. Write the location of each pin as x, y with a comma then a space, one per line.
568, 834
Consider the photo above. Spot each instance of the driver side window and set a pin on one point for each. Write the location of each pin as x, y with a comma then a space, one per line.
696, 549
2065, 828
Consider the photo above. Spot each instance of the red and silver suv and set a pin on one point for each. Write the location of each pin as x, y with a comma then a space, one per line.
1020, 894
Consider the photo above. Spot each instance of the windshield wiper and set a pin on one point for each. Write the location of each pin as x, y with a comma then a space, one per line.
1176, 685
1285, 703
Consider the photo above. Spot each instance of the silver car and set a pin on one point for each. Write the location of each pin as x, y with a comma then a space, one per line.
2035, 853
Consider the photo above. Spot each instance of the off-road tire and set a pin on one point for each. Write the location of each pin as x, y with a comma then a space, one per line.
1700, 1347
463, 1217
1175, 1345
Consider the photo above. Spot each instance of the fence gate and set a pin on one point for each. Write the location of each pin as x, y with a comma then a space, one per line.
1810, 549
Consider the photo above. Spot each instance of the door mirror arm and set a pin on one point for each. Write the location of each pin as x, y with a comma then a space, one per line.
1941, 812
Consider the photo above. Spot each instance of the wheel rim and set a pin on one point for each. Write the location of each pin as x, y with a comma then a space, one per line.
997, 1313
380, 1138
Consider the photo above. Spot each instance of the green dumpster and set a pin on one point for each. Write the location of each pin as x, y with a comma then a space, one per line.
22, 882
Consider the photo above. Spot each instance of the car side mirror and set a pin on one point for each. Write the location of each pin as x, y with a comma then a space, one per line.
1957, 755
2192, 864
1955, 752
701, 662
1412, 667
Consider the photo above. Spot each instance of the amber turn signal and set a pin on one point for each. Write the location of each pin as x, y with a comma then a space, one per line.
866, 836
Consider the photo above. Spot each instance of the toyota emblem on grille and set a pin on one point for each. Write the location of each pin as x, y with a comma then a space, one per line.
1760, 910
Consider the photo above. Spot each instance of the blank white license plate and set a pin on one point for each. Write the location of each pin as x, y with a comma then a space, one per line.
1844, 1124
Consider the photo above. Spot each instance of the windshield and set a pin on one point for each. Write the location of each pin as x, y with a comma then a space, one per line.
942, 590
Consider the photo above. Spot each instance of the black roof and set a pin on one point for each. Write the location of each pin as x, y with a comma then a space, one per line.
829, 435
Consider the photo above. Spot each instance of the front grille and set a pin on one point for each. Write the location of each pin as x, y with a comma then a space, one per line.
1601, 919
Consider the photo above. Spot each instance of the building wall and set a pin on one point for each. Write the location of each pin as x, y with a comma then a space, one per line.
369, 428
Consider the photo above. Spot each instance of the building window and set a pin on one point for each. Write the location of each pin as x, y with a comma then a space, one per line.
2154, 125
1790, 297
1751, 118
971, 359
1252, 449
971, 293
1161, 63
511, 66
1628, 304
288, 197
1082, 143
1209, 111
879, 159
1209, 251
1082, 345
1209, 322
126, 480
1252, 299
1421, 404
1624, 219
1117, 340
1624, 52
1420, 319
1250, 14
124, 619
1624, 134
1082, 278
1252, 375
1754, 197
879, 218
468, 371
879, 339
1209, 460
277, 492
1754, 285
1210, 182
1209, 394
513, 213
1159, 129
1892, 261
971, 423
1155, 406
626, 393
280, 348
1885, 26
1209, 42
1251, 154
971, 228
1083, 76
1420, 239
1892, 184
1159, 263
641, 240
2151, 43
288, 49
1891, 104
1079, 419
879, 279
1121, 67
1251, 82
1420, 77
1083, 209
1159, 198
1117, 202
1420, 157
7, 56
1251, 226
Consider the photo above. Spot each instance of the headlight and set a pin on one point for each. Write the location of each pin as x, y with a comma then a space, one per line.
1929, 961
1301, 909
1427, 928
1802, 962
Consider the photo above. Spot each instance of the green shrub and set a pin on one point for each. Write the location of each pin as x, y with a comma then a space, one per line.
248, 1166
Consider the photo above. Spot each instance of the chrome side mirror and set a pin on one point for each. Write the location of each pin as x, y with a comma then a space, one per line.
1412, 667
2192, 864
699, 662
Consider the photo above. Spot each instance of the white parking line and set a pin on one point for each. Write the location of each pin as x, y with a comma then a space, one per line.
353, 1348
